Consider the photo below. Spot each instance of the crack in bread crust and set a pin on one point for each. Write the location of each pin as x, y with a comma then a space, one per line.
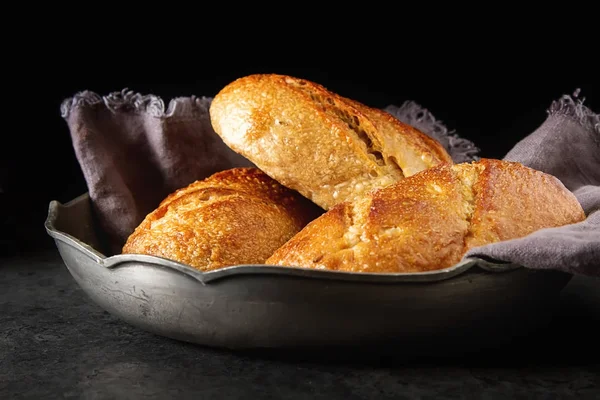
362, 129
355, 224
468, 175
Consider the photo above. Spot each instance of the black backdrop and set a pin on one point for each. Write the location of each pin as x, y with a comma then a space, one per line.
490, 98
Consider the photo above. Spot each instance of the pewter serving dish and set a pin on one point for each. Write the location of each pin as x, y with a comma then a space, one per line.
259, 306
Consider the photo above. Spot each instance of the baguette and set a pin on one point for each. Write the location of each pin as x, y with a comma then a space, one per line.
237, 216
327, 147
430, 220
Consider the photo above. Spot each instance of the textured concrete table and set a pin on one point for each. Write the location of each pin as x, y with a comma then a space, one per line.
56, 343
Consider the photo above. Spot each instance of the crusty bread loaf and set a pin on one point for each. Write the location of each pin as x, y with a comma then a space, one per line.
429, 221
238, 216
327, 147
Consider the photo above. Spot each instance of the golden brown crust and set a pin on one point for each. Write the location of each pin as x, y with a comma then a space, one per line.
327, 147
238, 216
429, 221
512, 201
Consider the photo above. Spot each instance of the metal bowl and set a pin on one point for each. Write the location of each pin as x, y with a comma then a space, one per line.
260, 306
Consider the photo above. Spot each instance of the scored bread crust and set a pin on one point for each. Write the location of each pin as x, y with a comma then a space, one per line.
430, 220
327, 147
237, 216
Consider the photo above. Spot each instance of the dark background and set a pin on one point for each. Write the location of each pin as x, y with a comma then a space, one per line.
488, 87
493, 96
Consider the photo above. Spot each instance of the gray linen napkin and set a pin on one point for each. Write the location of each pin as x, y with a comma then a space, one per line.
566, 145
133, 153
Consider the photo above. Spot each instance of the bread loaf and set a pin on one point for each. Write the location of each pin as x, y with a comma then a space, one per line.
429, 221
327, 147
238, 216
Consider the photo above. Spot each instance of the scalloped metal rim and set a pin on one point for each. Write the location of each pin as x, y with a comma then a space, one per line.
122, 260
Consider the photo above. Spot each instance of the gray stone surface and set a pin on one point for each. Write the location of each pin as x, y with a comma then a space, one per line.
56, 343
